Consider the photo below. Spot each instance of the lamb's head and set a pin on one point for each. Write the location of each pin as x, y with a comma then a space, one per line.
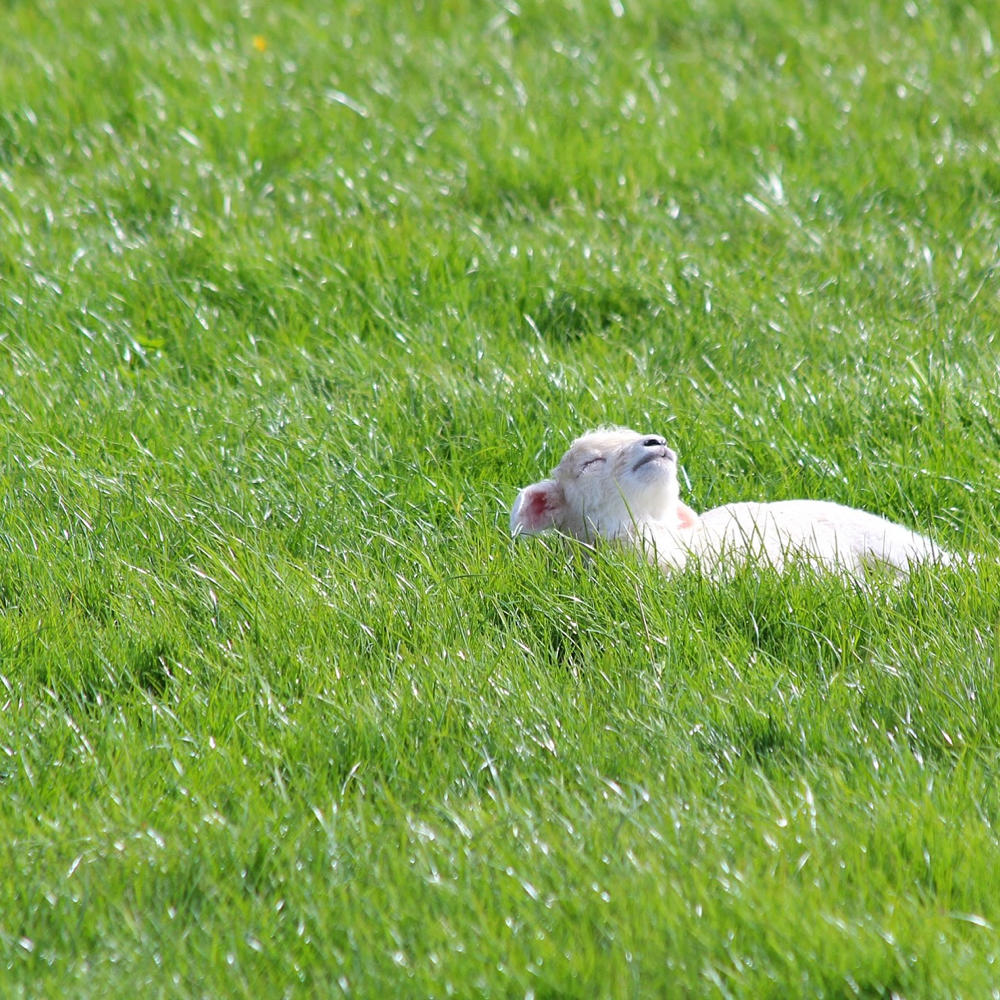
608, 484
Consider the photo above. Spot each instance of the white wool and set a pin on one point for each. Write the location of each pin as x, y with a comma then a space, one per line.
619, 485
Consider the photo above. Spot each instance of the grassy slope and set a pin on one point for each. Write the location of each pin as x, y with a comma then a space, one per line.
282, 333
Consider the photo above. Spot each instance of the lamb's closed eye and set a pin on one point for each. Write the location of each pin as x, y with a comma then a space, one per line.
593, 463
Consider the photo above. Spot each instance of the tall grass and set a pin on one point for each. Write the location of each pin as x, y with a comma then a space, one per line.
294, 297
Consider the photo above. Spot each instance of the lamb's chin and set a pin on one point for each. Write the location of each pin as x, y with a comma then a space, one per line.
655, 503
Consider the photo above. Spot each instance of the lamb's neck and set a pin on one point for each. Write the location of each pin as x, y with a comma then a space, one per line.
669, 540
668, 528
676, 519
677, 525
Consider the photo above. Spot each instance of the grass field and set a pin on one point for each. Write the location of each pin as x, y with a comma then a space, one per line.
293, 298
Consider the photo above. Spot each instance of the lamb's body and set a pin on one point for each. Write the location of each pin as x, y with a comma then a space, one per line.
834, 537
622, 486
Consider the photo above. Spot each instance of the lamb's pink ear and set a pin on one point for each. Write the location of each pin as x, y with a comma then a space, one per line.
537, 508
686, 517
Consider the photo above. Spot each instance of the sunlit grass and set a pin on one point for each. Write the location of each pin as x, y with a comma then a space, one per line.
294, 298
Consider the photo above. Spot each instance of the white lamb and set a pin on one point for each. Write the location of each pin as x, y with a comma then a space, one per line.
619, 485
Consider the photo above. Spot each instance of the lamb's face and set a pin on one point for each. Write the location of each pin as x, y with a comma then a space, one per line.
607, 483
614, 479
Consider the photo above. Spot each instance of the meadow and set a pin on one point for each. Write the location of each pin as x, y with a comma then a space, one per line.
293, 298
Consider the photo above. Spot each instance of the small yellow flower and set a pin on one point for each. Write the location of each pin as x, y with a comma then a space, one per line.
260, 43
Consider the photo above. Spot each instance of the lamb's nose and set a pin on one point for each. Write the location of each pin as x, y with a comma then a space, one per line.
653, 442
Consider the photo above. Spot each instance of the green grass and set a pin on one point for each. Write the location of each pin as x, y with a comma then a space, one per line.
293, 298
